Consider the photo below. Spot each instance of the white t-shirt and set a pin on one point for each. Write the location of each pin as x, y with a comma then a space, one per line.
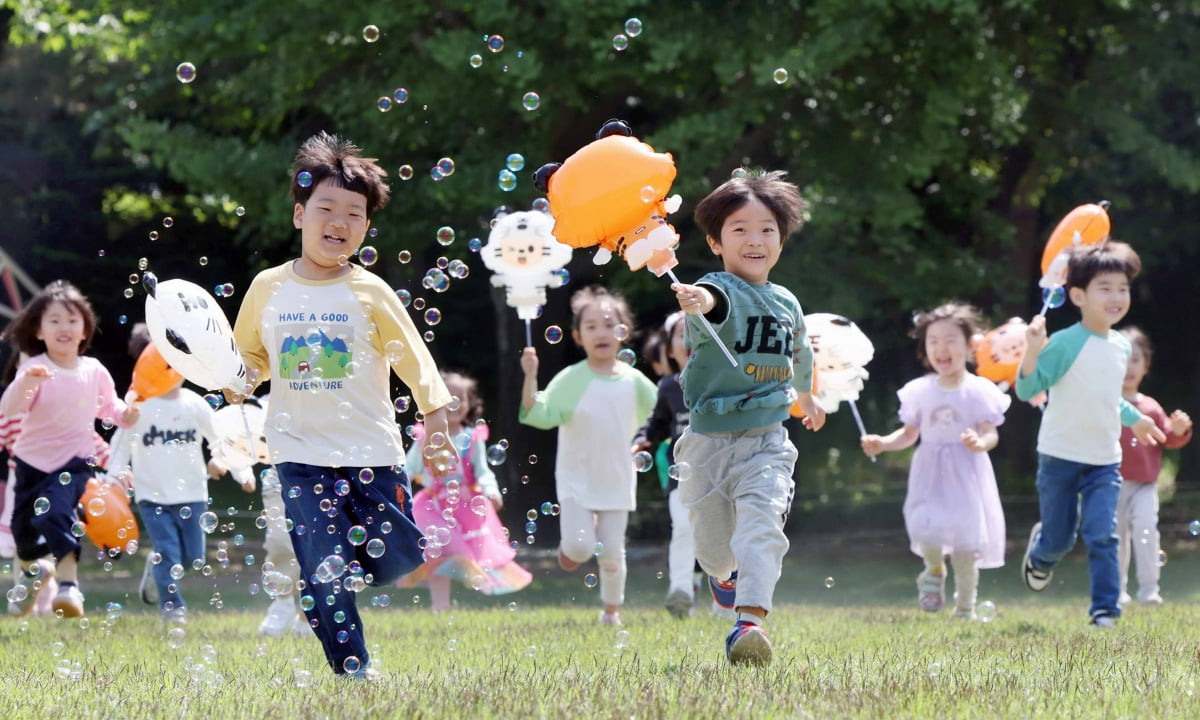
164, 452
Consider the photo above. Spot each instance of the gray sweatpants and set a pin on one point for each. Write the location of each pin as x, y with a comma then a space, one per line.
738, 491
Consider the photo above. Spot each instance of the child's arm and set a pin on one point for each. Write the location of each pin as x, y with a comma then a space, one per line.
802, 376
18, 397
529, 388
658, 427
872, 445
982, 440
1035, 338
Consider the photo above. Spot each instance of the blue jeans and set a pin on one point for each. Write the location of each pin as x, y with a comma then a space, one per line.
178, 540
1066, 490
323, 506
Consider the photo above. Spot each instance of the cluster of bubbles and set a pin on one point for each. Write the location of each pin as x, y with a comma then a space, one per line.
633, 28
442, 170
223, 290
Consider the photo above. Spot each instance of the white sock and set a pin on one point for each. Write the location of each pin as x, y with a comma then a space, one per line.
750, 618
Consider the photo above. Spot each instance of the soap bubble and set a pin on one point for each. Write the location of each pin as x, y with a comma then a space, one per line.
370, 33
304, 178
627, 356
590, 580
643, 461
829, 582
515, 162
496, 455
554, 334
208, 522
506, 180
406, 173
384, 103
475, 60
368, 256
495, 43
176, 637
633, 27
620, 42
375, 548
185, 72
780, 76
445, 235
531, 101
1053, 297
446, 166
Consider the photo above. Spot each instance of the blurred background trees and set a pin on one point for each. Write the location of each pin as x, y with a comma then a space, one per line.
938, 142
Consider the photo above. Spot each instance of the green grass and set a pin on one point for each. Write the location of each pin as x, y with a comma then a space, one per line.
860, 648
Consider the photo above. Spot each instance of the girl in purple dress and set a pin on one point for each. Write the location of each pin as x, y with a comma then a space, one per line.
952, 506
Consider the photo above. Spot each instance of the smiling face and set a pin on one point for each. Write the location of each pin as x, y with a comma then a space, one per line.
332, 226
750, 242
1104, 302
946, 348
597, 332
62, 329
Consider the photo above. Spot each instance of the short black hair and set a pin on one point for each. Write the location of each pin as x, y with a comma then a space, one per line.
328, 157
781, 197
1088, 261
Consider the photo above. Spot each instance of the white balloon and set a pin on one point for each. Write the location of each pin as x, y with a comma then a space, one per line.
193, 334
233, 447
522, 254
840, 350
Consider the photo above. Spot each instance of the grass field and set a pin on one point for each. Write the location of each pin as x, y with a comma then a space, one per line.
857, 648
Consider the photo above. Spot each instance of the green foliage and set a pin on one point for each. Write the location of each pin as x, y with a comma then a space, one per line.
937, 141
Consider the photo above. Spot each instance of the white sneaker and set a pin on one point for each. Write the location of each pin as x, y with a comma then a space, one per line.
302, 628
23, 596
280, 618
147, 588
176, 616
1150, 599
610, 619
1124, 599
961, 614
1104, 621
69, 601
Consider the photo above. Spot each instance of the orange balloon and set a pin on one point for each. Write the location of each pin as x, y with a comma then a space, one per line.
152, 376
613, 193
998, 353
1089, 221
108, 520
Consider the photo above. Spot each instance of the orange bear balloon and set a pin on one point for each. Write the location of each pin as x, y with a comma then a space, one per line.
1085, 225
152, 376
613, 193
108, 519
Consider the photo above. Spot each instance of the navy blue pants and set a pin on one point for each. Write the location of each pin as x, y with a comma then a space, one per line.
346, 523
35, 533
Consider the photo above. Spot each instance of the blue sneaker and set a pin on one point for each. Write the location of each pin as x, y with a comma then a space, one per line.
748, 645
724, 592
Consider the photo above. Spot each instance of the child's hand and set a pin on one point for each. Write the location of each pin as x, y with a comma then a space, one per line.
123, 478
215, 469
38, 374
249, 484
693, 299
640, 446
131, 415
1181, 422
814, 414
529, 361
973, 442
1146, 431
1035, 332
872, 445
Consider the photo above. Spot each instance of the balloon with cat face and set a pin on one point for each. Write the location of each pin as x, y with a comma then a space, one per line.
193, 334
524, 259
230, 425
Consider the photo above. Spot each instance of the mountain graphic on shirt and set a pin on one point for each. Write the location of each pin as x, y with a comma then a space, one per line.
311, 354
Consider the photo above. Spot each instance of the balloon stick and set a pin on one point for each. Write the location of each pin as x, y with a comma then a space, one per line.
528, 334
249, 435
707, 326
858, 420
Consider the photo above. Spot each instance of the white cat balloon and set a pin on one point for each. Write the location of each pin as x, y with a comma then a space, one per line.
193, 334
523, 256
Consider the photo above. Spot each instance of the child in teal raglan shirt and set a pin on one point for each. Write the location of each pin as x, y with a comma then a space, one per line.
1079, 450
736, 452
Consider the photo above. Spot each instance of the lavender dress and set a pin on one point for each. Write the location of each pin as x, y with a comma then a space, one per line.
952, 499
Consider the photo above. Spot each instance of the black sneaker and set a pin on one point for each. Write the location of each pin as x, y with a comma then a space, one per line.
1035, 579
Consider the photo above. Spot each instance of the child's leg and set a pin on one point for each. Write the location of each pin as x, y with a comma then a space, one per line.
1124, 515
681, 553
191, 539
762, 490
1144, 529
577, 531
277, 546
1058, 486
966, 580
439, 591
8, 547
935, 560
710, 509
49, 531
610, 532
1100, 486
162, 525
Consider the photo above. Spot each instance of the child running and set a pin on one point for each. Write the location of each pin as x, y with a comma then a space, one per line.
469, 544
666, 424
1079, 442
736, 458
60, 393
1137, 504
952, 506
597, 405
327, 333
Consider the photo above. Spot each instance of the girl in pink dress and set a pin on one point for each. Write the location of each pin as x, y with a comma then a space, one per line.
952, 506
456, 508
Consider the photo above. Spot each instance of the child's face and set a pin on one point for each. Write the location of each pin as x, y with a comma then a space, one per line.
1104, 302
750, 242
946, 348
332, 227
1136, 371
458, 389
678, 349
62, 329
597, 333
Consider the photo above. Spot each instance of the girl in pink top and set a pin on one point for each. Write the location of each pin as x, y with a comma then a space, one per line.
1137, 504
60, 394
952, 506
